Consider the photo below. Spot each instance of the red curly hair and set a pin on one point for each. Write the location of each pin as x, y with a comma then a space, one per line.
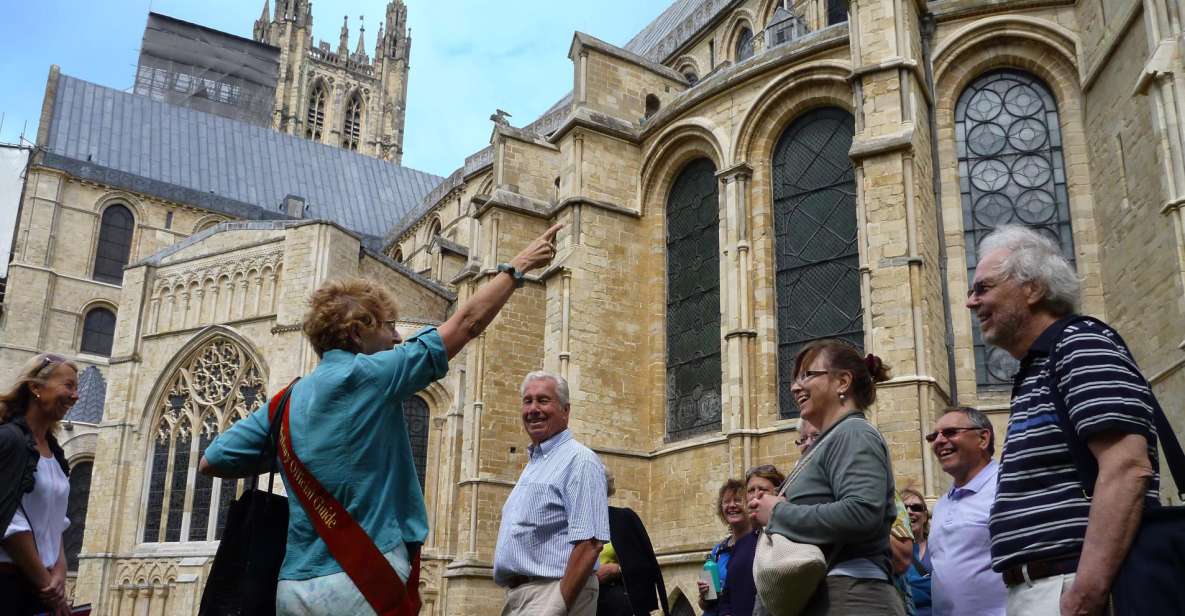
342, 307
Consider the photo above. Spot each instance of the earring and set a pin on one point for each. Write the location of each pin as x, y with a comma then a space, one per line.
843, 396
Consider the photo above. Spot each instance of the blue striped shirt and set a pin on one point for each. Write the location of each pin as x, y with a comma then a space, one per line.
1040, 510
559, 500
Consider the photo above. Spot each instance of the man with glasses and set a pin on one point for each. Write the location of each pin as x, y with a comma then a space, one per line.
1058, 549
962, 580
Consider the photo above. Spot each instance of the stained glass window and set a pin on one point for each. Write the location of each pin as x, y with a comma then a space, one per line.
817, 256
744, 49
315, 120
80, 490
98, 332
115, 244
352, 128
415, 411
220, 384
693, 302
1011, 171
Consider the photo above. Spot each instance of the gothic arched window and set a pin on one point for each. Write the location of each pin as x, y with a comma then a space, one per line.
216, 386
80, 490
315, 121
817, 256
98, 332
115, 244
744, 49
352, 126
693, 302
415, 411
837, 12
1011, 171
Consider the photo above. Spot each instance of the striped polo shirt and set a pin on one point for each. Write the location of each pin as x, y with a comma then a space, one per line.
1041, 510
560, 499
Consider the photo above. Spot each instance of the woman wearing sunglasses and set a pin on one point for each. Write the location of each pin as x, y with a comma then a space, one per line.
34, 489
843, 496
918, 574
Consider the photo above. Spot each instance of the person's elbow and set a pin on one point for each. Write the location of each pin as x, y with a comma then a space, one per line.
205, 468
1123, 460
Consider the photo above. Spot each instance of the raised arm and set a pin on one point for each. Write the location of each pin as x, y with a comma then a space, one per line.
476, 314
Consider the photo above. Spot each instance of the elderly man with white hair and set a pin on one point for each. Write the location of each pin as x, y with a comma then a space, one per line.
1078, 394
556, 519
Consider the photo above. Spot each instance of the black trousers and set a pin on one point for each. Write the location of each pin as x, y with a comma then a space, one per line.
19, 596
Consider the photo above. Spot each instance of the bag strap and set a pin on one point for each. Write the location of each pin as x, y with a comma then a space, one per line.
1084, 460
348, 542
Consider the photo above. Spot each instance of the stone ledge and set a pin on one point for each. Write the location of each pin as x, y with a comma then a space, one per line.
581, 40
868, 147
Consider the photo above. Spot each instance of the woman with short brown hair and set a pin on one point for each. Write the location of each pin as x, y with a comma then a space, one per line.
34, 488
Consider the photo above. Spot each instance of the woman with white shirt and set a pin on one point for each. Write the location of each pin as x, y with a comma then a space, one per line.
34, 488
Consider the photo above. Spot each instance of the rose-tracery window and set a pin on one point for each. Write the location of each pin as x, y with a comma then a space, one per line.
1011, 171
218, 385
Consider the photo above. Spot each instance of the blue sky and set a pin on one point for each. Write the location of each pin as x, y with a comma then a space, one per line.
468, 57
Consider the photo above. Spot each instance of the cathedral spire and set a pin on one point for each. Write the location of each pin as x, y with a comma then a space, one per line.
261, 24
378, 44
266, 10
343, 44
361, 50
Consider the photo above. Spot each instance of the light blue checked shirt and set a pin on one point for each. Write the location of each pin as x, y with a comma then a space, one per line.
559, 500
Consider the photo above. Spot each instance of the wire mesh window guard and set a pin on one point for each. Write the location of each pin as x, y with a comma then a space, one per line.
80, 489
1011, 171
98, 332
818, 261
219, 385
352, 128
693, 303
415, 412
115, 244
744, 49
315, 121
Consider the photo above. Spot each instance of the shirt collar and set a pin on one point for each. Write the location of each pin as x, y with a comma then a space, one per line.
1044, 343
548, 446
978, 482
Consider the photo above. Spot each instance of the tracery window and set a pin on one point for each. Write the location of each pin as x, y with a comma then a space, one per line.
98, 332
817, 256
218, 385
316, 115
80, 489
693, 302
115, 244
352, 128
744, 48
415, 411
1011, 171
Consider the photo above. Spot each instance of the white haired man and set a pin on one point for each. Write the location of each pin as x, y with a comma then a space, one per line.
556, 519
1059, 551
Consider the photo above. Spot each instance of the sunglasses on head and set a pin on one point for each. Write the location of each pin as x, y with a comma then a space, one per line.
49, 359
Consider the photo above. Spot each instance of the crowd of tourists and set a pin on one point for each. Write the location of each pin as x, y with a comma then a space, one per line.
1067, 522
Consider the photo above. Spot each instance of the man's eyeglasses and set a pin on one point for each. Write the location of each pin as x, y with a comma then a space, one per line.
807, 375
947, 433
806, 439
916, 507
981, 288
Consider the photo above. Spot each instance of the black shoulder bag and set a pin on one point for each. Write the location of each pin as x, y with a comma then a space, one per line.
1150, 579
246, 568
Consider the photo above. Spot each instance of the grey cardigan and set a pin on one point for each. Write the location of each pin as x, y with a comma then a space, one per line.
844, 496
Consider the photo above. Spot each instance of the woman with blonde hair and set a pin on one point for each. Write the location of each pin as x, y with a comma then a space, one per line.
346, 429
34, 488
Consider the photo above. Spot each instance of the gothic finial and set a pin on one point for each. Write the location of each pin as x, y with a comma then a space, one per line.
343, 44
361, 51
266, 10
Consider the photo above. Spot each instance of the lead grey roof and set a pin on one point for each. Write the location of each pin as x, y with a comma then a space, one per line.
217, 163
92, 390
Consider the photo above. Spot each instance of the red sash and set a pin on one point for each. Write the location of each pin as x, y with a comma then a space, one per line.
349, 544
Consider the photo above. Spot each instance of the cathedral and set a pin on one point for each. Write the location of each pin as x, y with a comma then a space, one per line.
740, 178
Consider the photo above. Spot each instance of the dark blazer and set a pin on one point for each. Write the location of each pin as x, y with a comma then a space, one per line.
18, 463
639, 565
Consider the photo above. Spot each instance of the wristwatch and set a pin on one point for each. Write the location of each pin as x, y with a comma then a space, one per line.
519, 277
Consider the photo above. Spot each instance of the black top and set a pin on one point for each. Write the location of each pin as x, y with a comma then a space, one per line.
18, 463
740, 592
639, 566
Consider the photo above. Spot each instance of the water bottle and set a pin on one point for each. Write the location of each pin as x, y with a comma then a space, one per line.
714, 571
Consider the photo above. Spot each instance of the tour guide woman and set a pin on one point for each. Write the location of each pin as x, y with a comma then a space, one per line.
843, 498
347, 427
34, 490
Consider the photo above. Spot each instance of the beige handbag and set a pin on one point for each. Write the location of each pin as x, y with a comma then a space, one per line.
786, 572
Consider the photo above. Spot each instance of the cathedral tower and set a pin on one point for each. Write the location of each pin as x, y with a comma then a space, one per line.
335, 97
